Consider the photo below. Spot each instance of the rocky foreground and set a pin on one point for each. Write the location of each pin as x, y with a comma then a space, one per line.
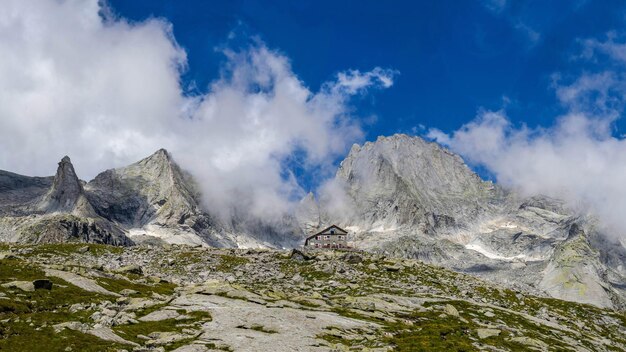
77, 297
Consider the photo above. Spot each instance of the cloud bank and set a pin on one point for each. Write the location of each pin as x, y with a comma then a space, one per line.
578, 159
78, 81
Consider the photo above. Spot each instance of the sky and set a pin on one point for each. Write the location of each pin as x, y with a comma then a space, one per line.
261, 100
453, 57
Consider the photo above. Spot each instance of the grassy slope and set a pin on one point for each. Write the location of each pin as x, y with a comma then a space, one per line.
26, 318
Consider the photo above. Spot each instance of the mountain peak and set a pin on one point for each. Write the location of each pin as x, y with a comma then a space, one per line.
160, 157
163, 153
66, 192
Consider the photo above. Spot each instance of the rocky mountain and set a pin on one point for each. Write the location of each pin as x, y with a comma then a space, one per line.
154, 197
16, 190
52, 209
400, 196
66, 195
411, 198
400, 180
152, 200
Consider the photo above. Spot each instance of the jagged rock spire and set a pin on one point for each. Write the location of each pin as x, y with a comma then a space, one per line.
66, 194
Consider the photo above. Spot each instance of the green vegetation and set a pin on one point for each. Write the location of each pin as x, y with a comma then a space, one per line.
62, 295
257, 327
229, 262
65, 249
130, 331
145, 328
21, 336
406, 300
117, 285
185, 258
21, 311
430, 331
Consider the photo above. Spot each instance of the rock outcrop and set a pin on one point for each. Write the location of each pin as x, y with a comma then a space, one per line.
66, 194
17, 191
202, 299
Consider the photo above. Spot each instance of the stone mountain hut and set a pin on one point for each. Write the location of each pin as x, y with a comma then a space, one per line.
330, 237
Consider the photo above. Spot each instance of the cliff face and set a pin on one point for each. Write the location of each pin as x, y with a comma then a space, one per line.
408, 197
66, 194
155, 198
17, 190
405, 181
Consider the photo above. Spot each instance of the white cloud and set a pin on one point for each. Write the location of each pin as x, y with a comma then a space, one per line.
77, 81
613, 46
577, 160
258, 114
72, 83
353, 81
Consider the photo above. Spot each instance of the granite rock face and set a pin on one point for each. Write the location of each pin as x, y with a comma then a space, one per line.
406, 197
17, 190
401, 180
66, 194
154, 197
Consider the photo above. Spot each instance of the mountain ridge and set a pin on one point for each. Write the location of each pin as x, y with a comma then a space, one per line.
404, 197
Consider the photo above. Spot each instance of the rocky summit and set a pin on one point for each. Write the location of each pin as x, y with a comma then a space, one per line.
440, 259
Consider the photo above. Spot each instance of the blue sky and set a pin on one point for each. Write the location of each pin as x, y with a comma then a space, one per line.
454, 57
530, 93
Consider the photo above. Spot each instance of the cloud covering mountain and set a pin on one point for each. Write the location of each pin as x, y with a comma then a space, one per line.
579, 158
79, 81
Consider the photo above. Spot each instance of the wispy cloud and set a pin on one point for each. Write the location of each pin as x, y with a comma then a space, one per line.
496, 6
500, 8
614, 46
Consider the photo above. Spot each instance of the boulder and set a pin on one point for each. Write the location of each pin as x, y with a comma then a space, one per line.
42, 284
393, 268
298, 256
128, 292
451, 310
530, 342
22, 285
130, 269
72, 325
7, 255
159, 315
352, 258
485, 333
